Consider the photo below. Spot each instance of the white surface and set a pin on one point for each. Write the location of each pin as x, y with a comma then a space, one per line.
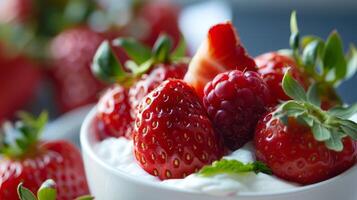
108, 183
119, 154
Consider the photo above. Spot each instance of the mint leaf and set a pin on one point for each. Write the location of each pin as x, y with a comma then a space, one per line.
233, 167
293, 23
47, 191
138, 52
24, 193
351, 62
292, 88
344, 112
334, 56
106, 66
320, 132
313, 95
294, 37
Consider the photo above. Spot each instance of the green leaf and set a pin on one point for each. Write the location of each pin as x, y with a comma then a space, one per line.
349, 128
351, 62
294, 37
47, 191
180, 50
308, 39
106, 66
293, 108
292, 88
24, 193
138, 52
313, 95
86, 197
311, 53
161, 50
320, 132
233, 167
334, 143
308, 119
344, 112
293, 23
334, 58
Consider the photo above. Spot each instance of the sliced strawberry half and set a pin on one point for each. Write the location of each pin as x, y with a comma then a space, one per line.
221, 51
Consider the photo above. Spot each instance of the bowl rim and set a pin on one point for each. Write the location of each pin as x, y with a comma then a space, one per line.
89, 150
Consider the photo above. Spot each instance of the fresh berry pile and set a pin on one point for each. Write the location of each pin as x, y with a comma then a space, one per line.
184, 115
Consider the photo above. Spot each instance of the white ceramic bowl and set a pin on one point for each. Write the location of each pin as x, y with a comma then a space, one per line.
109, 183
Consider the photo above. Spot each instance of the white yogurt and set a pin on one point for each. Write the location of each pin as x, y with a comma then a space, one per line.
119, 154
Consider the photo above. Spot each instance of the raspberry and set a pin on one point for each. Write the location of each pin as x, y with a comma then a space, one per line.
235, 101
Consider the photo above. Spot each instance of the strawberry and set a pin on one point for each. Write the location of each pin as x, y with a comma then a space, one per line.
173, 136
16, 90
72, 52
235, 101
113, 117
221, 51
301, 142
147, 69
28, 160
272, 67
150, 81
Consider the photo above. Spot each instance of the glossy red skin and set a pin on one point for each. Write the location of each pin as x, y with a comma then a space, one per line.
173, 135
19, 79
59, 160
113, 118
221, 51
272, 66
235, 101
149, 82
294, 155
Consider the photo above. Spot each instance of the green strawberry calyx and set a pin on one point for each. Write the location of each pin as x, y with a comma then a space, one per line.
323, 61
107, 67
47, 191
19, 140
225, 166
329, 126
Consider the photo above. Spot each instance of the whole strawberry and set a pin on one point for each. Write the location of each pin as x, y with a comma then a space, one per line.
302, 143
72, 52
30, 161
173, 135
235, 101
221, 51
272, 67
145, 71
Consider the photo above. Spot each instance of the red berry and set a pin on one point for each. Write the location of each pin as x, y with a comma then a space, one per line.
57, 160
293, 154
173, 135
272, 66
220, 52
113, 117
150, 81
15, 10
235, 101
